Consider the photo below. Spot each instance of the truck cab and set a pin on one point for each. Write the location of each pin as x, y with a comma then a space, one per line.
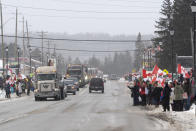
48, 84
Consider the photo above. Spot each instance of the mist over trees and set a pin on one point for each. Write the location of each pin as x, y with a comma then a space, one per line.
120, 63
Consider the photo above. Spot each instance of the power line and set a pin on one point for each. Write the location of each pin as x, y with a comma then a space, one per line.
130, 1
101, 51
79, 40
100, 4
81, 11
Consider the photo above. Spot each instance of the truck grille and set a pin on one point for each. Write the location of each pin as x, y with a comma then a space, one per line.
45, 87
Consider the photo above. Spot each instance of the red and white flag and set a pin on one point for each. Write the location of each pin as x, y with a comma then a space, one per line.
181, 70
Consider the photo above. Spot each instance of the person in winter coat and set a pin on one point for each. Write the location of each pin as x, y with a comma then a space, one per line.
187, 94
143, 94
7, 89
166, 97
156, 94
19, 88
178, 100
135, 93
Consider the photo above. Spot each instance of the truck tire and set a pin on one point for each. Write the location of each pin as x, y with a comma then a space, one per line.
89, 91
58, 97
102, 91
78, 89
36, 98
65, 94
74, 93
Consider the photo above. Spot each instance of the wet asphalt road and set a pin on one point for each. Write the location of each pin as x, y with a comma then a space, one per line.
111, 111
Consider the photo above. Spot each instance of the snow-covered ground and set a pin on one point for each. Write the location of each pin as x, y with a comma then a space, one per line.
180, 121
2, 94
13, 96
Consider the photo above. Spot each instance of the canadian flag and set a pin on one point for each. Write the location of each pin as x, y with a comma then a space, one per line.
181, 70
155, 70
144, 73
158, 71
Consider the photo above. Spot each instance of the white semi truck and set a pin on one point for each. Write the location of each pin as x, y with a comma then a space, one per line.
49, 84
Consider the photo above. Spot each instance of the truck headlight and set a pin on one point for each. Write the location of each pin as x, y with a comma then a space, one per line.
80, 80
36, 90
56, 89
73, 87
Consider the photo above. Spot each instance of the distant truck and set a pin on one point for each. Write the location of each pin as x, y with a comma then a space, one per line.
78, 71
113, 77
48, 84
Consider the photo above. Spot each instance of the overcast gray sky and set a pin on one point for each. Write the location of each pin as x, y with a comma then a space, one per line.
81, 16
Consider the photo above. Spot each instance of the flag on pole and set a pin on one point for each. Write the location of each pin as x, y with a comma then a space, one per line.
155, 70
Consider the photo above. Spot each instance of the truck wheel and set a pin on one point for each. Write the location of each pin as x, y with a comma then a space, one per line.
78, 89
65, 94
36, 99
89, 91
102, 91
58, 97
74, 93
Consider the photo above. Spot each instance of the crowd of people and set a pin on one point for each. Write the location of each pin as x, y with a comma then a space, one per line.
178, 94
18, 86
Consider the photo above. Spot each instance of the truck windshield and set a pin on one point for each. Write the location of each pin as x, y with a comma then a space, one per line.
67, 82
74, 72
44, 77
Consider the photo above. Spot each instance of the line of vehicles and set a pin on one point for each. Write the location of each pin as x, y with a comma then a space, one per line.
50, 84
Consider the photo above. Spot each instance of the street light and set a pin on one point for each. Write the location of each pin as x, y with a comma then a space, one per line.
18, 50
6, 49
193, 8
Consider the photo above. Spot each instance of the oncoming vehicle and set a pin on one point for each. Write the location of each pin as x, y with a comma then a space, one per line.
96, 84
48, 84
78, 71
69, 84
76, 82
113, 77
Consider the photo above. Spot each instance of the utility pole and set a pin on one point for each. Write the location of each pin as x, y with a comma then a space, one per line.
42, 36
16, 35
48, 53
2, 48
23, 30
28, 41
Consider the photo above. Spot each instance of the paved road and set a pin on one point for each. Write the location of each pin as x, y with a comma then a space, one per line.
111, 111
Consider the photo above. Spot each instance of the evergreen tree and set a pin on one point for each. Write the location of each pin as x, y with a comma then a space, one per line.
139, 52
163, 35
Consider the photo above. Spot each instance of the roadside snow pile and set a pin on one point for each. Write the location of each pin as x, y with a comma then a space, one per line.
2, 94
187, 119
181, 121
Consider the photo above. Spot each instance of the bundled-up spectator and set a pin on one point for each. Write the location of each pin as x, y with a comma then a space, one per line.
166, 97
178, 101
156, 94
1, 83
135, 93
143, 93
7, 89
187, 94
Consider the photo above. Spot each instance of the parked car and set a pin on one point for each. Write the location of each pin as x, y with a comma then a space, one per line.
96, 84
71, 88
76, 82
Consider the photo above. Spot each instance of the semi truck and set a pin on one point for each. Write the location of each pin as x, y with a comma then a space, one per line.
78, 71
49, 84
